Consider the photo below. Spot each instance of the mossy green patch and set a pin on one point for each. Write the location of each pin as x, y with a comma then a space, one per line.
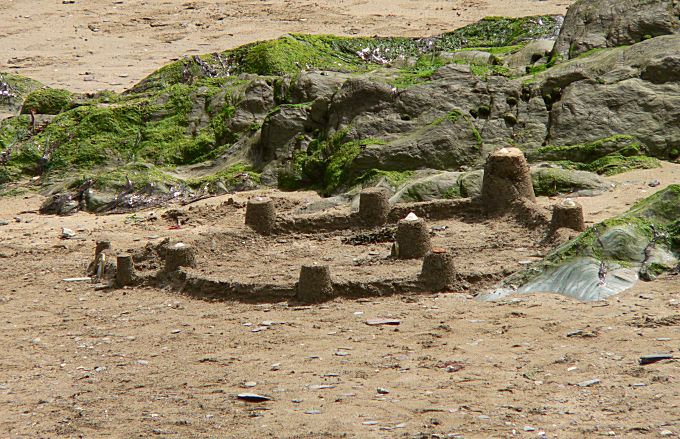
590, 151
613, 164
394, 178
293, 53
230, 177
420, 73
656, 216
47, 101
607, 156
140, 175
15, 88
502, 31
325, 164
485, 71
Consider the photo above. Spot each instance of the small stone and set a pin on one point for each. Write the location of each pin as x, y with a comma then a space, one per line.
649, 359
666, 433
276, 366
529, 428
253, 397
100, 369
142, 362
175, 331
342, 354
67, 233
4, 222
378, 322
312, 412
370, 423
382, 391
589, 383
259, 329
654, 183
249, 384
321, 386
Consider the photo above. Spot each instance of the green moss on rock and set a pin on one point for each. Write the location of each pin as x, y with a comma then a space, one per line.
607, 156
291, 54
626, 238
393, 178
47, 101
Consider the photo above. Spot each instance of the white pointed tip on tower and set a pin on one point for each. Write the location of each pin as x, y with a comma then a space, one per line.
411, 217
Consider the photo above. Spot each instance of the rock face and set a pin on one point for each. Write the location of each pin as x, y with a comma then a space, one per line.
596, 24
609, 257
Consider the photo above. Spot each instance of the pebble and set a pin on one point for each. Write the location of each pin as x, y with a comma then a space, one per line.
259, 329
370, 423
666, 433
529, 428
249, 384
253, 397
312, 412
142, 362
382, 391
589, 383
67, 233
378, 322
175, 331
4, 222
342, 354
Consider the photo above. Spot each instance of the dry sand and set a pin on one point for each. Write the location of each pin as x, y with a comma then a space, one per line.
151, 363
144, 362
90, 45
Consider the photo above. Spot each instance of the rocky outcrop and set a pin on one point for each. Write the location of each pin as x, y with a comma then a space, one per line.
547, 181
596, 24
609, 257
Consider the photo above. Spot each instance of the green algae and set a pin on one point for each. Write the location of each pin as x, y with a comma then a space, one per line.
393, 178
293, 53
608, 156
325, 164
47, 101
653, 218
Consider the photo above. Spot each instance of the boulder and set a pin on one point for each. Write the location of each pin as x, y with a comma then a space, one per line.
594, 24
472, 57
529, 54
609, 257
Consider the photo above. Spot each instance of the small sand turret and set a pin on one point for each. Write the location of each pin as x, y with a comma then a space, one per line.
261, 215
438, 272
374, 207
125, 271
567, 214
413, 238
179, 255
315, 284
